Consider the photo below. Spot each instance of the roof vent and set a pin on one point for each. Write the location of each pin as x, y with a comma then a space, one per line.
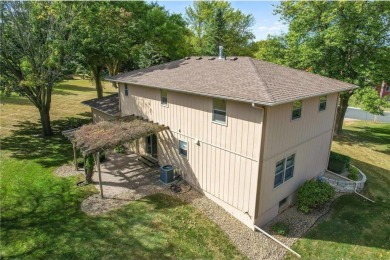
199, 58
233, 58
211, 58
187, 58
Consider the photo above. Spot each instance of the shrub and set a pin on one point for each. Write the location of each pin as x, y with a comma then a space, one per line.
338, 162
314, 194
353, 173
280, 228
120, 149
80, 161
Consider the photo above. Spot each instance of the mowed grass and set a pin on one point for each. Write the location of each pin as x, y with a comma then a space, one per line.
65, 103
40, 212
356, 228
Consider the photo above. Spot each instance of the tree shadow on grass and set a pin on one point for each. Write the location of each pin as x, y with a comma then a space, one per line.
63, 93
73, 87
369, 137
27, 142
15, 100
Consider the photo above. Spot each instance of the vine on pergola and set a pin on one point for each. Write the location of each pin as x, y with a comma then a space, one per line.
110, 134
94, 138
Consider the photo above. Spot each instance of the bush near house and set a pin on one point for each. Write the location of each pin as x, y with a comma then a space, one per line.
314, 194
120, 149
80, 161
338, 162
353, 173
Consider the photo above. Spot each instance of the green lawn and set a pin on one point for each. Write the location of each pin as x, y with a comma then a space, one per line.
40, 212
355, 228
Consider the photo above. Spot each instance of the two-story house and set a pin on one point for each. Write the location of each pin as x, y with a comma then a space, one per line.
245, 132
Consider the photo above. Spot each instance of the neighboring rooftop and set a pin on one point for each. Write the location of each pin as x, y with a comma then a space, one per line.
108, 104
244, 79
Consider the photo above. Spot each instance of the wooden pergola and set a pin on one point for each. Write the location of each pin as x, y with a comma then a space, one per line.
95, 138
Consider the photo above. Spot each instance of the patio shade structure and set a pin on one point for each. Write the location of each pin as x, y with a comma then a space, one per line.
95, 138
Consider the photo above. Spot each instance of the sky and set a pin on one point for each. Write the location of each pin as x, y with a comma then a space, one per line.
265, 22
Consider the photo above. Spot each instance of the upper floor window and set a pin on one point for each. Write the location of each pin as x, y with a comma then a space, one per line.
183, 148
322, 103
284, 170
126, 90
164, 97
297, 109
219, 111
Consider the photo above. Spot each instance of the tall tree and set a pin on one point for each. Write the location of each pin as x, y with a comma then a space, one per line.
110, 34
103, 36
215, 23
162, 38
337, 39
34, 52
273, 49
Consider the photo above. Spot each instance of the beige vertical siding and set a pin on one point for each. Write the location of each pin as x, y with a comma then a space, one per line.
225, 163
98, 116
308, 138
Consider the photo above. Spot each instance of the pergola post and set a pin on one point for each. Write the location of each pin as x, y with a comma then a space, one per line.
97, 160
75, 156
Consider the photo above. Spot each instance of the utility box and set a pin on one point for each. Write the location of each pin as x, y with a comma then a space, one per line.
167, 174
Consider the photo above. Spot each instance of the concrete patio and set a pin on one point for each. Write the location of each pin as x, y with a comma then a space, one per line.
122, 173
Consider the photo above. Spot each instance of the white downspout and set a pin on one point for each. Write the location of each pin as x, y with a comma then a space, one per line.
338, 175
277, 241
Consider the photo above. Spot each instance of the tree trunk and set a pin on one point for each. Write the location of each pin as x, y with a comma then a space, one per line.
113, 69
341, 110
45, 121
97, 75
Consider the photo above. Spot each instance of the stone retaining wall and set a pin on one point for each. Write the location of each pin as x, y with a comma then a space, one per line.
342, 185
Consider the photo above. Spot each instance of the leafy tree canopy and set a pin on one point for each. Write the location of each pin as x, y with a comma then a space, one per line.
338, 39
371, 101
215, 23
35, 51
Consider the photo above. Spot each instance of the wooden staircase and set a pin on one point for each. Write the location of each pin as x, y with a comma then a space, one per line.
148, 160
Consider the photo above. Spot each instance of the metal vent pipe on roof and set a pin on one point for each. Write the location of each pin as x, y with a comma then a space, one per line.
220, 53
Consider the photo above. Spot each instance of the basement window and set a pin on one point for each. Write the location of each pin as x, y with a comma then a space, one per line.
126, 90
183, 148
322, 103
219, 111
283, 202
284, 170
297, 109
164, 97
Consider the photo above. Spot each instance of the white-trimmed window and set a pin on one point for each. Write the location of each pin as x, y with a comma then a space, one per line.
284, 170
126, 90
164, 97
183, 148
297, 109
322, 106
219, 111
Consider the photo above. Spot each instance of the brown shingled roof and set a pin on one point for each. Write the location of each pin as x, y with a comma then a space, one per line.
108, 104
244, 79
